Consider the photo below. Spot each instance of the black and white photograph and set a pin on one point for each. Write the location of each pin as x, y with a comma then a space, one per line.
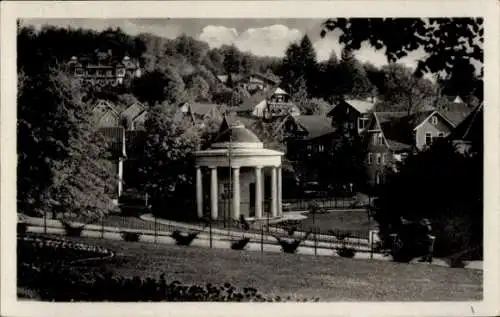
279, 159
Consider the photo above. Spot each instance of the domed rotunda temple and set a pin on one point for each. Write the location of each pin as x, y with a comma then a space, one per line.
237, 162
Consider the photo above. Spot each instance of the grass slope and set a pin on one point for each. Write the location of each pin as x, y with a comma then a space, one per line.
330, 278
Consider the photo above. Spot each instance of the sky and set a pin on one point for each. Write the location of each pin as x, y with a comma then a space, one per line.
262, 37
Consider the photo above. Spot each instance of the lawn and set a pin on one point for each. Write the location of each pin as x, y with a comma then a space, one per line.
344, 220
330, 278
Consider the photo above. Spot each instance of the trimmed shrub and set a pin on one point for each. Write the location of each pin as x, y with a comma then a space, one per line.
131, 236
289, 245
183, 238
346, 252
240, 244
71, 229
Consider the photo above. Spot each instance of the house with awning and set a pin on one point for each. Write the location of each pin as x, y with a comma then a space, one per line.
268, 104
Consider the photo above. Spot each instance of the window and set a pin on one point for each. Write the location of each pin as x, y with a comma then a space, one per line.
379, 158
380, 139
384, 159
370, 158
378, 178
434, 120
362, 122
321, 148
441, 135
428, 138
375, 138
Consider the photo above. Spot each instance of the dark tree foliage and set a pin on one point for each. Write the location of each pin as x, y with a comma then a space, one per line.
463, 82
300, 68
353, 78
442, 185
156, 87
344, 164
443, 39
63, 164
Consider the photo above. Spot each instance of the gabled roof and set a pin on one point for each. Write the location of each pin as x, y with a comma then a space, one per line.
471, 128
279, 91
315, 125
419, 118
362, 106
103, 106
395, 129
232, 130
456, 112
133, 111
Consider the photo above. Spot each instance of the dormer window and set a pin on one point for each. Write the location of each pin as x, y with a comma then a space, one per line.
434, 120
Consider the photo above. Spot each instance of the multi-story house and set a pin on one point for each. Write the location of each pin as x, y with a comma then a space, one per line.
268, 104
391, 136
103, 72
350, 116
307, 137
257, 82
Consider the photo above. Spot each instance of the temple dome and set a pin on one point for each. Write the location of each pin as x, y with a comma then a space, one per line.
238, 136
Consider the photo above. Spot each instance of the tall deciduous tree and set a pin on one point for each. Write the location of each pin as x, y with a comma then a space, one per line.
156, 87
62, 159
167, 169
404, 91
442, 39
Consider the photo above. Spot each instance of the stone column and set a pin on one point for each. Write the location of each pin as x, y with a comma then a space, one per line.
280, 193
236, 192
120, 176
199, 193
274, 193
258, 192
213, 192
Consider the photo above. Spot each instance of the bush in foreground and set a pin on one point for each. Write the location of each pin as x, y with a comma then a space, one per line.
346, 252
65, 284
71, 229
131, 236
240, 244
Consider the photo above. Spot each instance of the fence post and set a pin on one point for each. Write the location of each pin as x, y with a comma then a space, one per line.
210, 232
102, 227
371, 245
45, 221
155, 230
262, 239
315, 241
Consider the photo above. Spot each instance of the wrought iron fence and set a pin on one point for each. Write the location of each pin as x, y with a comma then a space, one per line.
261, 232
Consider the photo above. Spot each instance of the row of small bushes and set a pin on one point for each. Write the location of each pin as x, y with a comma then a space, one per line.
67, 284
36, 250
